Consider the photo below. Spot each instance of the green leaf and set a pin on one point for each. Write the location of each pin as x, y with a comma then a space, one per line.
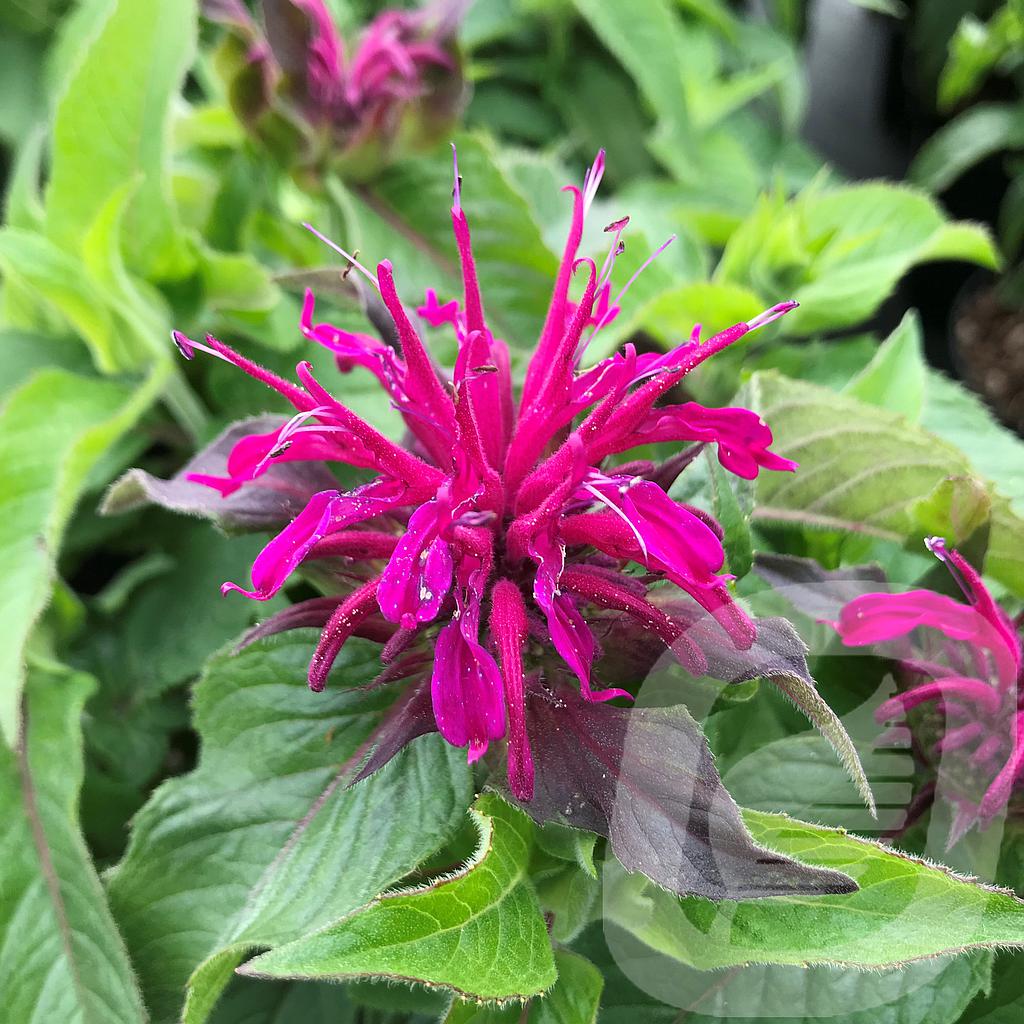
569, 844
263, 842
515, 268
1004, 1002
798, 775
251, 1002
478, 932
573, 999
732, 502
22, 353
904, 910
841, 251
895, 377
173, 623
567, 895
112, 126
63, 281
21, 92
641, 985
715, 305
647, 40
53, 430
864, 470
61, 957
960, 417
976, 134
236, 281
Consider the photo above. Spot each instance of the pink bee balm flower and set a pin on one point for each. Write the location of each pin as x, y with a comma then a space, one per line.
501, 523
966, 660
401, 77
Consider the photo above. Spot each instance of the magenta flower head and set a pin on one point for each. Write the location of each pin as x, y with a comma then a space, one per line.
291, 75
482, 550
963, 660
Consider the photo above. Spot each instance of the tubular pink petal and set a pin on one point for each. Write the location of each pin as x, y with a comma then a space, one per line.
471, 286
467, 691
743, 438
360, 544
508, 627
390, 457
276, 562
876, 618
554, 323
998, 794
961, 736
356, 608
599, 589
972, 690
1009, 660
419, 573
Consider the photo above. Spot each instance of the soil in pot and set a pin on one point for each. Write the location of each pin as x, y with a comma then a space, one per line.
989, 342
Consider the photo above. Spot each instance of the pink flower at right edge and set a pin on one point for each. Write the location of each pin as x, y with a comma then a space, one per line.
969, 667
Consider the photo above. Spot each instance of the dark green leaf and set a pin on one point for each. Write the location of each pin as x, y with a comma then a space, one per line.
642, 985
263, 842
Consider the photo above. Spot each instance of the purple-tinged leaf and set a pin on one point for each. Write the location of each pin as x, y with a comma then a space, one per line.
410, 717
780, 656
645, 778
276, 497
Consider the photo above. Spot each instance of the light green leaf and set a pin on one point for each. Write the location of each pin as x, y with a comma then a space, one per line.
53, 431
515, 268
715, 305
977, 133
895, 377
961, 418
263, 843
961, 504
236, 281
904, 910
576, 995
864, 470
61, 957
962, 240
112, 125
62, 280
841, 251
478, 932
573, 999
